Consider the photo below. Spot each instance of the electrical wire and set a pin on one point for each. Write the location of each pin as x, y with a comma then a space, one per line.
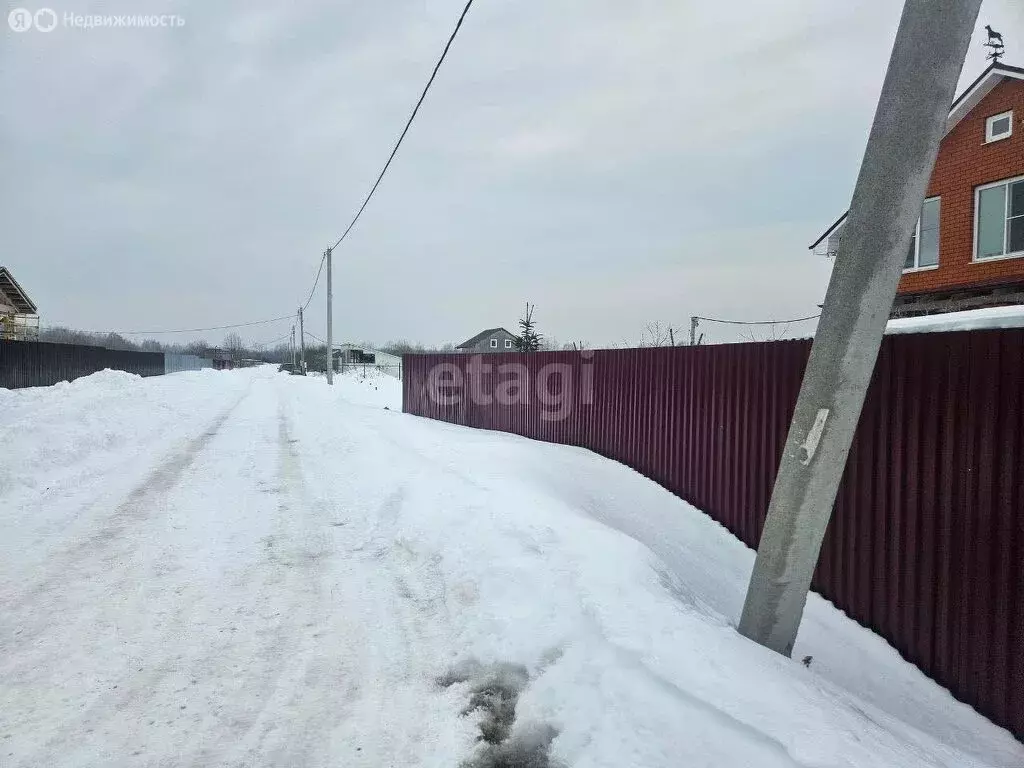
278, 340
348, 229
177, 330
315, 282
756, 322
314, 336
394, 151
408, 123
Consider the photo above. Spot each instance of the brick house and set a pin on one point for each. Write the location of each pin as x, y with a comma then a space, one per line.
968, 250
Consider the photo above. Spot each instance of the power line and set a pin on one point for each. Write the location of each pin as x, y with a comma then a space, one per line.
408, 123
211, 328
176, 330
348, 229
321, 269
314, 336
274, 341
756, 322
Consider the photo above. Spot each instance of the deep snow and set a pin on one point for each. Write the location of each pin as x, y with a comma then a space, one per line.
248, 568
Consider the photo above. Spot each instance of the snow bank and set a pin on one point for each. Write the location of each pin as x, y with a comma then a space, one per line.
54, 427
109, 423
370, 387
628, 641
969, 320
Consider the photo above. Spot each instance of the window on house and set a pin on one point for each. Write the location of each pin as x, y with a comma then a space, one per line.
999, 126
494, 343
924, 244
508, 343
999, 220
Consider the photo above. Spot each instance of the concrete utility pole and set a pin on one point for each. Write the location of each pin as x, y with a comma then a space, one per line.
693, 330
910, 120
293, 347
302, 344
330, 323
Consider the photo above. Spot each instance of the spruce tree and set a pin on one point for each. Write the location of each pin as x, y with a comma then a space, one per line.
529, 339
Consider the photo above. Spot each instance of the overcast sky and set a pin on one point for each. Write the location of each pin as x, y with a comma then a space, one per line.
615, 163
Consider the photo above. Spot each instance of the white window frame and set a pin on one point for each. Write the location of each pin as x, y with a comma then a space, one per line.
917, 241
977, 212
494, 343
508, 343
990, 121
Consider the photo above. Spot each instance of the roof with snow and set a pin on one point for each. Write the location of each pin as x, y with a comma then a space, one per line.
964, 103
483, 335
14, 295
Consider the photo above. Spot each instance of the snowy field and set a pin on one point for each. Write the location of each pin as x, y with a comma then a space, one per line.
251, 569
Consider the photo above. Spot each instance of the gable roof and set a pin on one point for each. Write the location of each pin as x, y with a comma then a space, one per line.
14, 294
979, 89
993, 75
483, 335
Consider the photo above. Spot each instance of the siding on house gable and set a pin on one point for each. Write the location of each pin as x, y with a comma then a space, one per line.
484, 344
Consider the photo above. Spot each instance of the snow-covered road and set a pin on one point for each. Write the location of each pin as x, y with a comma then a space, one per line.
252, 569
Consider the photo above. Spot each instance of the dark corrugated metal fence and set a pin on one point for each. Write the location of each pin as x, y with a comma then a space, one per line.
40, 364
926, 545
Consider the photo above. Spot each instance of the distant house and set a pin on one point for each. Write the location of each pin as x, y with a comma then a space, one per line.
221, 358
968, 249
19, 317
491, 340
353, 353
358, 355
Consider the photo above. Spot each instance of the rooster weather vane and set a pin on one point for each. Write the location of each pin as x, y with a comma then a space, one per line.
994, 43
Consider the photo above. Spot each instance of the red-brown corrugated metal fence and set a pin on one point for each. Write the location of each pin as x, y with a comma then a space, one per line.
926, 545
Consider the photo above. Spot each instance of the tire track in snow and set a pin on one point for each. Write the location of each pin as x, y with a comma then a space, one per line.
109, 541
101, 565
250, 665
391, 594
305, 664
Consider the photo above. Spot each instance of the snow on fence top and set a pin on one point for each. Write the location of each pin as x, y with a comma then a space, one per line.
969, 320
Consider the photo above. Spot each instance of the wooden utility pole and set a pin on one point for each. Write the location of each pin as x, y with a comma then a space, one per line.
909, 123
302, 344
330, 321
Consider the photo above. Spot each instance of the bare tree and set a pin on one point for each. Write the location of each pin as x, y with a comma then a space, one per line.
197, 347
654, 335
233, 343
576, 346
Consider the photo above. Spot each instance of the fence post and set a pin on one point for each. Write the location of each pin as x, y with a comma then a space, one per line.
910, 119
